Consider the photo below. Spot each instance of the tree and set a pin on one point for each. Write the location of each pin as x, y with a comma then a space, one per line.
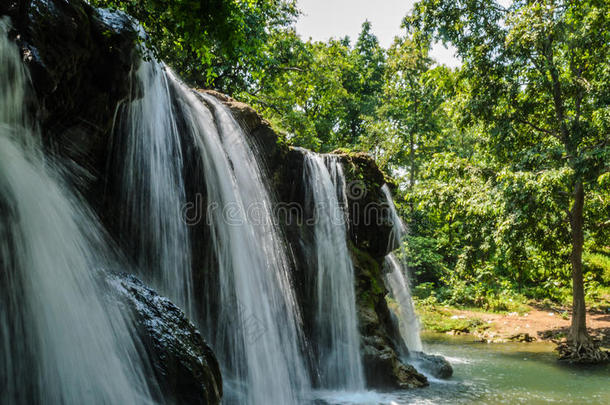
409, 117
538, 82
364, 83
320, 93
217, 43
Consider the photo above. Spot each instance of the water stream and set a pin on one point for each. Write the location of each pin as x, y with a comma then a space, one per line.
256, 330
61, 341
398, 283
336, 326
150, 186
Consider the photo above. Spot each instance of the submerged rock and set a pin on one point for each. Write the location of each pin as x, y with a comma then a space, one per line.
433, 364
183, 364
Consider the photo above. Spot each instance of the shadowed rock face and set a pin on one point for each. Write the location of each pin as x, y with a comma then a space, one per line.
186, 368
79, 59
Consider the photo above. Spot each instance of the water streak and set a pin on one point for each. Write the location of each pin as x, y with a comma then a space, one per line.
61, 341
151, 190
255, 331
397, 282
336, 326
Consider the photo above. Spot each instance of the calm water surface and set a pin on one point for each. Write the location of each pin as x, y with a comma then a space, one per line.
501, 373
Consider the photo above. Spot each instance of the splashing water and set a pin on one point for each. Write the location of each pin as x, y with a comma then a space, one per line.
61, 342
398, 284
151, 190
336, 327
256, 330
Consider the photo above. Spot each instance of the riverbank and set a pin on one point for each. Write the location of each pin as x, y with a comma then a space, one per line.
532, 322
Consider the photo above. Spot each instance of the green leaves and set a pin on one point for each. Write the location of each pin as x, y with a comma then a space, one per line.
210, 43
320, 93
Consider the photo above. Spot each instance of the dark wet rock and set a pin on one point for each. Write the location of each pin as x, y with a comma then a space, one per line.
433, 364
79, 59
370, 226
184, 366
383, 370
381, 346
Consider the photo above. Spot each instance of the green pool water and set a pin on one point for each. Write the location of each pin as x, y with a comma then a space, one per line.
499, 373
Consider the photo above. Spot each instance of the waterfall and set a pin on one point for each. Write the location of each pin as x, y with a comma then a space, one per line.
151, 190
256, 330
61, 341
336, 329
397, 282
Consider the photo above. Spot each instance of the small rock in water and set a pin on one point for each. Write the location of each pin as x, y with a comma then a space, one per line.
433, 364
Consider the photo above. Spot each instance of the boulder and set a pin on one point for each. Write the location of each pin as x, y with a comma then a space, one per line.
432, 364
184, 366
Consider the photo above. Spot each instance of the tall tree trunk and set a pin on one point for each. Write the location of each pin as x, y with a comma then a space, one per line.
578, 330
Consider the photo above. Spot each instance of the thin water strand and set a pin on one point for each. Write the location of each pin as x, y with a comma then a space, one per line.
151, 190
398, 283
336, 326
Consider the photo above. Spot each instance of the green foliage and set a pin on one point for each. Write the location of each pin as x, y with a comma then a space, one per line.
435, 318
598, 267
486, 157
532, 102
217, 43
320, 93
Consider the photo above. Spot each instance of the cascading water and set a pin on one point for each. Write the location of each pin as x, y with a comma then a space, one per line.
151, 188
61, 341
256, 330
398, 284
336, 328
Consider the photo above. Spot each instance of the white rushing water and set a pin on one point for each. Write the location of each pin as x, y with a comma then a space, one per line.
336, 327
151, 188
256, 331
61, 342
398, 283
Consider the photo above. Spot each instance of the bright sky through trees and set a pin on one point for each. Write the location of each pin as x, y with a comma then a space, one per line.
323, 19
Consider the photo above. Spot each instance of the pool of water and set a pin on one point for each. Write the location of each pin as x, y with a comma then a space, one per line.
499, 373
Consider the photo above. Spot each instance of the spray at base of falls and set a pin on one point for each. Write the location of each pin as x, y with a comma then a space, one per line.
336, 326
398, 283
61, 341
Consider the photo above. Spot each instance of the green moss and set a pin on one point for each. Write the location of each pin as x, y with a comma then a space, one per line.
436, 318
365, 261
368, 275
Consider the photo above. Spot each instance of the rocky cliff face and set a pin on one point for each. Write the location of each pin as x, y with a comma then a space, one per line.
80, 61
